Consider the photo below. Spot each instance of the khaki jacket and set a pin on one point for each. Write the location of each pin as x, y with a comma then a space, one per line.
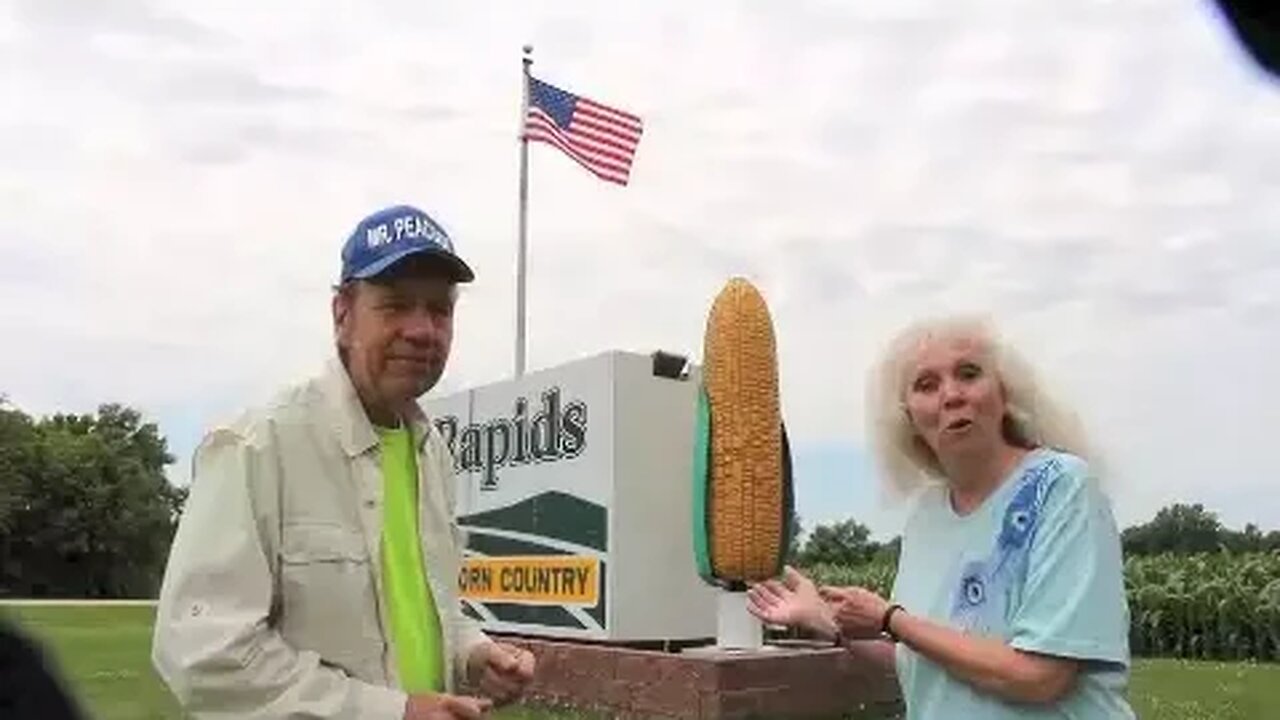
272, 603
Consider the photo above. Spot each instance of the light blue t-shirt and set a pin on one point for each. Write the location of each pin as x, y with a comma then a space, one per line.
1038, 565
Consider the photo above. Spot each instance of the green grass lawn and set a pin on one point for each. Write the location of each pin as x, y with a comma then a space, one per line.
1196, 690
103, 653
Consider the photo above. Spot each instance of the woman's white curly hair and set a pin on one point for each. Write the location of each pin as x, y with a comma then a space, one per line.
1032, 418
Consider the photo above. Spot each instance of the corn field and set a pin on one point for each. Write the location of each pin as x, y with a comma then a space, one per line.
1208, 606
876, 575
1205, 606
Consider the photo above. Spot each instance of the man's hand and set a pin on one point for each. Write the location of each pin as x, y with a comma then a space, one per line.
446, 707
501, 671
794, 602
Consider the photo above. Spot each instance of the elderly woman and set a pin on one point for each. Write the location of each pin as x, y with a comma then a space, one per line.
1009, 600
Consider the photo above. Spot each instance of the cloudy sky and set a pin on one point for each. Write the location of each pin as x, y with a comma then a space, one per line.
1104, 177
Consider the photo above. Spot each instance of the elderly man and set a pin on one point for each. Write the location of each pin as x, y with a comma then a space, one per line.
313, 574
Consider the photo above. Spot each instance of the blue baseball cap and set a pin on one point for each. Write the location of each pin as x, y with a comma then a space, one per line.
392, 234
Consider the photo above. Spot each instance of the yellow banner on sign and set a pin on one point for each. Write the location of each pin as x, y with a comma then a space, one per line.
542, 579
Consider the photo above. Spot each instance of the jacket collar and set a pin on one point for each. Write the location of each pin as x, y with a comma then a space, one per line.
355, 432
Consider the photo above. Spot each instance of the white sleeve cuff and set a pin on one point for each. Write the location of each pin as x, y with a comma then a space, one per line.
379, 703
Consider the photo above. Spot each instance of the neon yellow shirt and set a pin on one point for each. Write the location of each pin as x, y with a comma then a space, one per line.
415, 624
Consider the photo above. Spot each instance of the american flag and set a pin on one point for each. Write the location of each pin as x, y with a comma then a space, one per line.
600, 138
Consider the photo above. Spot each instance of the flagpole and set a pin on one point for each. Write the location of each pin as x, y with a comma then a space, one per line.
524, 215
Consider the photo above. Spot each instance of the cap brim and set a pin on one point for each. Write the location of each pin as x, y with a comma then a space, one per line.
457, 270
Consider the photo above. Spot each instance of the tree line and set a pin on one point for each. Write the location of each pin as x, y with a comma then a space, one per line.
85, 507
1178, 529
87, 511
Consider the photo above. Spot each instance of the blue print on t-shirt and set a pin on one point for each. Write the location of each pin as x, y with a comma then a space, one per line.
973, 585
982, 599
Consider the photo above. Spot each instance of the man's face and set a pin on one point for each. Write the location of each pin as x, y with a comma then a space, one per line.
396, 332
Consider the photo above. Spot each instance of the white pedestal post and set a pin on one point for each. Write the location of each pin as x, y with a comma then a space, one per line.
736, 627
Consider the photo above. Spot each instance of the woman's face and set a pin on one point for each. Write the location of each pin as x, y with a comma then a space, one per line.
953, 397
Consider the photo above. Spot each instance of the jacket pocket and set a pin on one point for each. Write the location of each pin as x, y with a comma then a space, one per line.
309, 543
328, 604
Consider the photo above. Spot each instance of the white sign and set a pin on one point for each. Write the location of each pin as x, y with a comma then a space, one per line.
574, 490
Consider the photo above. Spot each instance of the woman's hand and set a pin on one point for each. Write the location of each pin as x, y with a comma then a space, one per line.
793, 602
857, 611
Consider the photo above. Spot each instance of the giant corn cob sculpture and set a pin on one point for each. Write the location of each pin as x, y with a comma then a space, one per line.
742, 467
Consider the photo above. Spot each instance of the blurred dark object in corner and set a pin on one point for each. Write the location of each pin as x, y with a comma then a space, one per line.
29, 688
1256, 24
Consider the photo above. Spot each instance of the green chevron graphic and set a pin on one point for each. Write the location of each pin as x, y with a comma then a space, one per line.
553, 515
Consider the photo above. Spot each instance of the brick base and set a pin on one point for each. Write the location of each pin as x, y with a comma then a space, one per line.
794, 680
